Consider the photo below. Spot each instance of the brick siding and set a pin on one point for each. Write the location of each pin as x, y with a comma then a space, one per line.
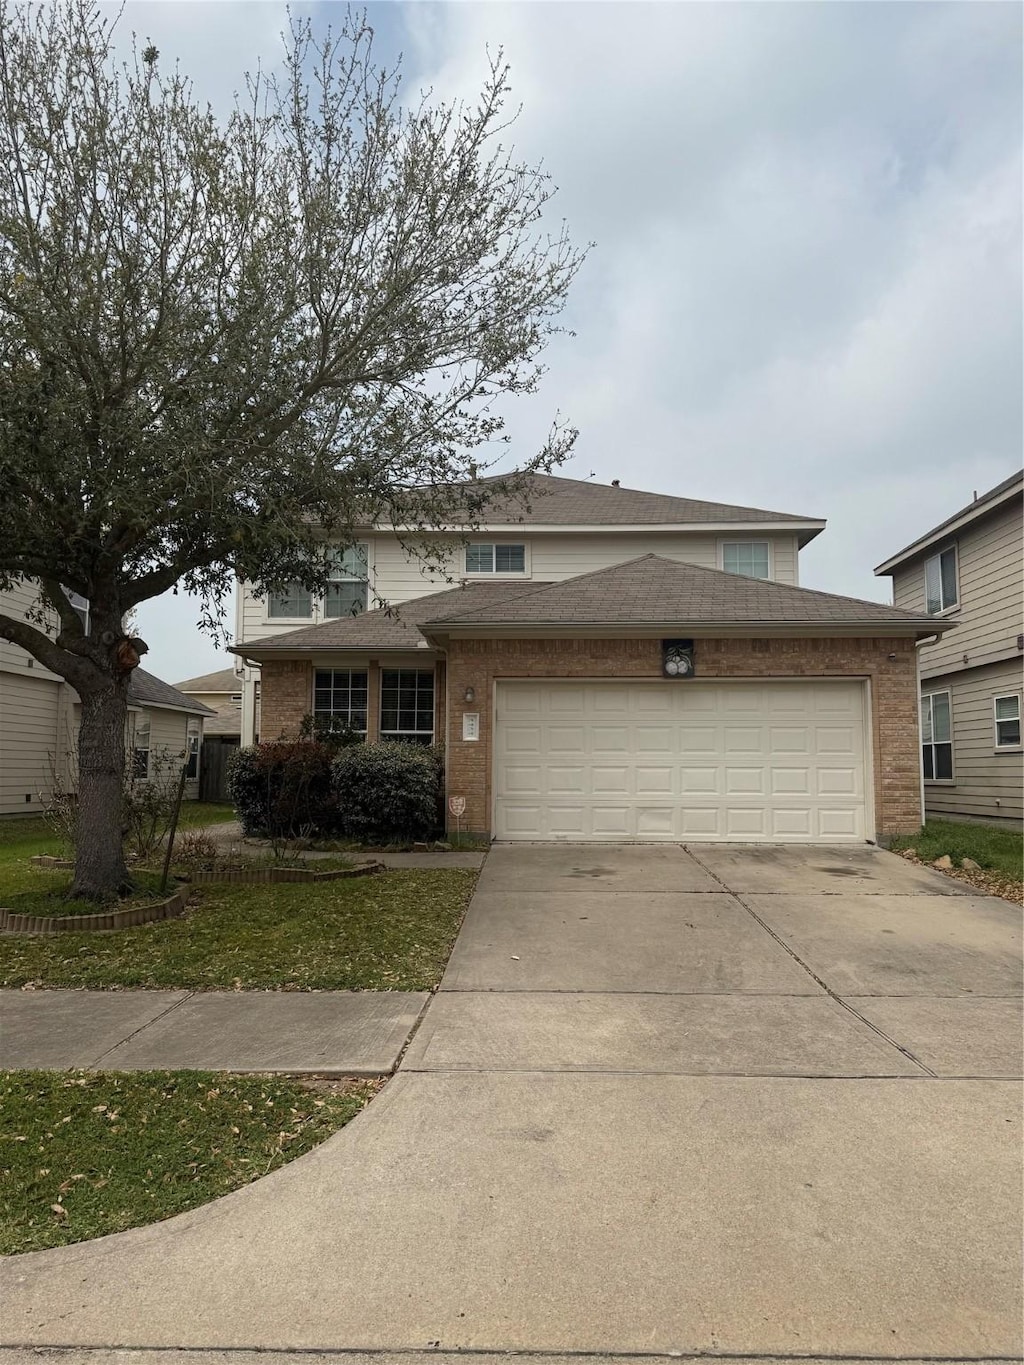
893, 684
286, 695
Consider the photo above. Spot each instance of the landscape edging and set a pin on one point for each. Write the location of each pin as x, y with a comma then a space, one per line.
170, 908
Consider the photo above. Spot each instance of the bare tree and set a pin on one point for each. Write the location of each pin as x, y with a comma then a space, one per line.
225, 341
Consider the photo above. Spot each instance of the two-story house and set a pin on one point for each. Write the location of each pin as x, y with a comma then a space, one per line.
613, 665
970, 569
39, 719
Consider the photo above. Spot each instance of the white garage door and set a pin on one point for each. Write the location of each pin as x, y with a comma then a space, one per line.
690, 760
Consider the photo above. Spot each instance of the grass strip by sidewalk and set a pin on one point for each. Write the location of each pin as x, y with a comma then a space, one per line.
393, 931
90, 1153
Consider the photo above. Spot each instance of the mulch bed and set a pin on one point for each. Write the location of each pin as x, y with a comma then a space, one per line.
987, 882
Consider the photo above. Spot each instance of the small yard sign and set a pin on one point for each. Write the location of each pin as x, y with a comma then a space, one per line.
457, 805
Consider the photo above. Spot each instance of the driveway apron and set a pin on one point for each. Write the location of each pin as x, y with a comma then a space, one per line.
730, 1101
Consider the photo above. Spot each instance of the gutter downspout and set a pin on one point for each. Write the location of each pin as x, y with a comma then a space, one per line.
920, 765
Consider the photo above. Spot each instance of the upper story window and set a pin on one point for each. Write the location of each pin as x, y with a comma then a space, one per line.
347, 591
293, 603
80, 606
487, 557
751, 558
940, 585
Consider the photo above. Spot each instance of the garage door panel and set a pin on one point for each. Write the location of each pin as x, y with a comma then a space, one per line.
790, 781
692, 760
699, 780
796, 822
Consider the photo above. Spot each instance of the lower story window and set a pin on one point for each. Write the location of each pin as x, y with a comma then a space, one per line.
1007, 711
407, 705
140, 751
936, 737
193, 751
339, 696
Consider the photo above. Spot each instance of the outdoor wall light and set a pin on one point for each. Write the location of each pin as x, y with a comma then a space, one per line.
469, 695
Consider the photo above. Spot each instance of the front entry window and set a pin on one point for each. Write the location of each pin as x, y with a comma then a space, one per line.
407, 705
339, 696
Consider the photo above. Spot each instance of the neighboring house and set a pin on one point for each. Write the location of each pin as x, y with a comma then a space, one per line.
39, 718
222, 693
550, 671
970, 570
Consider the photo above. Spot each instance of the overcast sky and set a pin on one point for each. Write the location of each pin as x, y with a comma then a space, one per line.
805, 288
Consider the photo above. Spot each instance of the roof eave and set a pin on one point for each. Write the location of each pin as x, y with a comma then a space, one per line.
918, 628
983, 508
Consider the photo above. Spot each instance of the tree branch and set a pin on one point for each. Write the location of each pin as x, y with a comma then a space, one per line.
76, 671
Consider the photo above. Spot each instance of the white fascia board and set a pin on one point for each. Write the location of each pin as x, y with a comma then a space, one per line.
698, 629
946, 531
605, 528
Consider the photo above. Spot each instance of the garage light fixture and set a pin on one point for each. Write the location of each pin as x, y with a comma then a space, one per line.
469, 695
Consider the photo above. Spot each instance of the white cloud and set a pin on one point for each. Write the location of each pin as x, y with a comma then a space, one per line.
805, 292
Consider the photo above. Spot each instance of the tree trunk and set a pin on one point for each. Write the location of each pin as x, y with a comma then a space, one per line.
100, 870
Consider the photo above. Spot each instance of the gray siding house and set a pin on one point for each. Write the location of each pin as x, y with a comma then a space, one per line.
970, 569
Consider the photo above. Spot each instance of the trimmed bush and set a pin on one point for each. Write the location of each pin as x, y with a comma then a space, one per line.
387, 791
283, 790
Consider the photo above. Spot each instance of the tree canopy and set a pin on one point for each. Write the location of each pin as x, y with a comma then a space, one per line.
223, 339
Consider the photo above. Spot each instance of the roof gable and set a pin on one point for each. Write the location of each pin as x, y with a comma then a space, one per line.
974, 511
653, 591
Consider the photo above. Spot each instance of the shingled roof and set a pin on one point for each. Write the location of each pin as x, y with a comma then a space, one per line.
146, 690
394, 629
653, 590
224, 680
551, 500
647, 592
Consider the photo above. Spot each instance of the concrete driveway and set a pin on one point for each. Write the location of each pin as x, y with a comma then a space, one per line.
747, 1101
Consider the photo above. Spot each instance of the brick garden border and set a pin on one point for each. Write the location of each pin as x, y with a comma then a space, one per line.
257, 875
174, 905
170, 908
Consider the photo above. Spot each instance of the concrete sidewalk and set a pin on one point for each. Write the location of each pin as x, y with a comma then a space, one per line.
334, 1033
648, 1112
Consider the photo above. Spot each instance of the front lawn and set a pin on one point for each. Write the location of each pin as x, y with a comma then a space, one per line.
996, 850
23, 837
89, 1153
393, 931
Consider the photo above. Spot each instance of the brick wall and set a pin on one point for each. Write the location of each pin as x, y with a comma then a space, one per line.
894, 705
286, 695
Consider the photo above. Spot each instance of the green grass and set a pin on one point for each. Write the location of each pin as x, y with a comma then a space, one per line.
86, 1154
393, 931
996, 850
28, 890
26, 836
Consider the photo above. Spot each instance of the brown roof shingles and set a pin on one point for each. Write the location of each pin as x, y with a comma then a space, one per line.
554, 501
653, 591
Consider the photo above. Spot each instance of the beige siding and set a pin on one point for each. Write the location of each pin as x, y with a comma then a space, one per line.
396, 575
29, 708
168, 731
16, 602
990, 612
986, 784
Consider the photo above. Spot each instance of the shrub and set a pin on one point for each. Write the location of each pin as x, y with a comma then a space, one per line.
282, 790
387, 791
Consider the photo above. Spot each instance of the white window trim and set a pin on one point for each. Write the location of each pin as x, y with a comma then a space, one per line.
954, 606
748, 540
398, 734
497, 540
1005, 748
939, 781
147, 727
317, 601
193, 731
